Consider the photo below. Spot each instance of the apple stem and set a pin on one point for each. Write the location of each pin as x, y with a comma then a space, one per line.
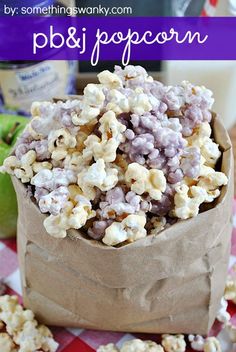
10, 134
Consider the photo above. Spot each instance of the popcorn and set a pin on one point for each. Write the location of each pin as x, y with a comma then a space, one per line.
209, 149
23, 168
97, 175
52, 179
6, 343
59, 141
130, 229
130, 137
22, 329
196, 342
54, 201
187, 201
105, 148
173, 343
71, 217
142, 180
212, 345
38, 166
135, 345
230, 290
222, 315
109, 80
108, 348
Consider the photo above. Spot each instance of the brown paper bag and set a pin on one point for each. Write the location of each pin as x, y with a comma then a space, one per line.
172, 282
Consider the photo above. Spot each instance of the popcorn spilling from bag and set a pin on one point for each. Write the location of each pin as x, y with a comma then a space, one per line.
20, 332
122, 162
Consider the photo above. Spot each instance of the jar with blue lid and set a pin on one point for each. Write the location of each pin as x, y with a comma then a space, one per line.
22, 82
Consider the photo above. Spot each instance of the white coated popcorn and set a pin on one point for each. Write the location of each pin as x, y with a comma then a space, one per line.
140, 103
118, 102
109, 79
222, 315
108, 348
97, 175
93, 95
187, 201
130, 229
173, 343
143, 180
25, 171
10, 164
74, 162
71, 217
23, 329
138, 345
212, 345
54, 201
135, 345
105, 148
52, 179
87, 114
40, 165
196, 342
6, 343
59, 141
158, 224
230, 289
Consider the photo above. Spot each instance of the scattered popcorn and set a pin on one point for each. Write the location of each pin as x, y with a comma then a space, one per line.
196, 342
212, 345
135, 345
230, 290
131, 138
142, 180
222, 315
23, 333
108, 348
130, 229
173, 343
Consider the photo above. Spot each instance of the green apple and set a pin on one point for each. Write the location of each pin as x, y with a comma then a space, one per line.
11, 127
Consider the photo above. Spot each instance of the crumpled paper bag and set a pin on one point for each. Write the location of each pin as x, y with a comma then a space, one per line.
169, 283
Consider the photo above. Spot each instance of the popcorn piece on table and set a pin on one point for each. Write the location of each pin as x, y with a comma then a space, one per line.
23, 328
98, 175
135, 345
142, 180
230, 289
212, 345
196, 342
173, 343
130, 229
59, 141
108, 348
222, 315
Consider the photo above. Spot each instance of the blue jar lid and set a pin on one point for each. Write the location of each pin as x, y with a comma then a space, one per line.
16, 4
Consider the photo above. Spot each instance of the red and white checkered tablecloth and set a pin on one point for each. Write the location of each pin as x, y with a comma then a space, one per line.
80, 340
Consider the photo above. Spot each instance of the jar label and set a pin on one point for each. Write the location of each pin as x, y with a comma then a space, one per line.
41, 81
